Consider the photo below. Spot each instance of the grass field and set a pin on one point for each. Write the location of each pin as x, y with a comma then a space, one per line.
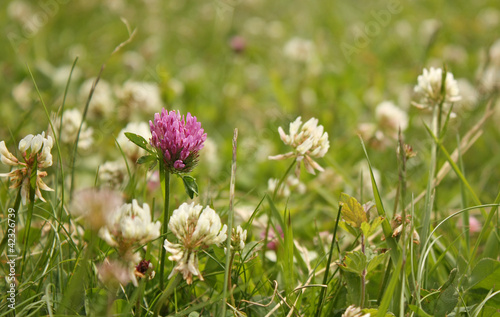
380, 200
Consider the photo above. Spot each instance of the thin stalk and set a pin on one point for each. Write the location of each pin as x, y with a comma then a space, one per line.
402, 189
363, 274
166, 218
327, 269
430, 184
465, 215
84, 115
31, 205
229, 254
172, 285
282, 180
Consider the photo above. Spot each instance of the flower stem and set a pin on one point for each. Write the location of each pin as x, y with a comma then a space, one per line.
170, 288
363, 274
166, 218
31, 204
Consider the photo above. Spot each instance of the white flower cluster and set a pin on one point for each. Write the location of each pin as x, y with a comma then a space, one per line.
353, 311
71, 120
389, 119
113, 174
144, 97
132, 151
102, 103
130, 226
238, 238
35, 149
299, 50
490, 78
308, 140
291, 183
429, 87
193, 228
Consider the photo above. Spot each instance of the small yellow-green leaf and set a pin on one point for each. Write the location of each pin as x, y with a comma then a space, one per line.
376, 260
347, 227
352, 211
354, 262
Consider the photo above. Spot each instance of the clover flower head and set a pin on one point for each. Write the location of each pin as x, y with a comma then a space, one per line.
238, 238
113, 174
113, 273
353, 311
300, 50
308, 140
391, 118
178, 139
194, 228
429, 87
129, 227
71, 120
35, 149
95, 207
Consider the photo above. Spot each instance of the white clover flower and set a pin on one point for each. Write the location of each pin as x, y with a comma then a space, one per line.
299, 50
33, 148
95, 207
113, 273
291, 183
194, 229
71, 120
429, 87
391, 118
129, 227
308, 140
113, 174
495, 53
490, 80
102, 103
143, 97
353, 311
132, 151
238, 238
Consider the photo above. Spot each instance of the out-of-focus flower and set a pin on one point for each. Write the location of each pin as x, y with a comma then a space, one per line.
455, 53
299, 50
178, 140
144, 97
129, 227
113, 174
474, 225
237, 44
132, 151
353, 311
113, 273
470, 95
272, 237
194, 229
34, 150
95, 207
308, 140
71, 120
22, 93
495, 53
238, 238
291, 183
429, 87
428, 30
391, 118
102, 103
489, 18
490, 79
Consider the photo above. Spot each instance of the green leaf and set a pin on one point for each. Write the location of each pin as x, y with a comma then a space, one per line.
378, 259
420, 312
146, 159
374, 312
352, 211
354, 262
448, 298
119, 306
138, 140
190, 185
484, 274
369, 228
344, 225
